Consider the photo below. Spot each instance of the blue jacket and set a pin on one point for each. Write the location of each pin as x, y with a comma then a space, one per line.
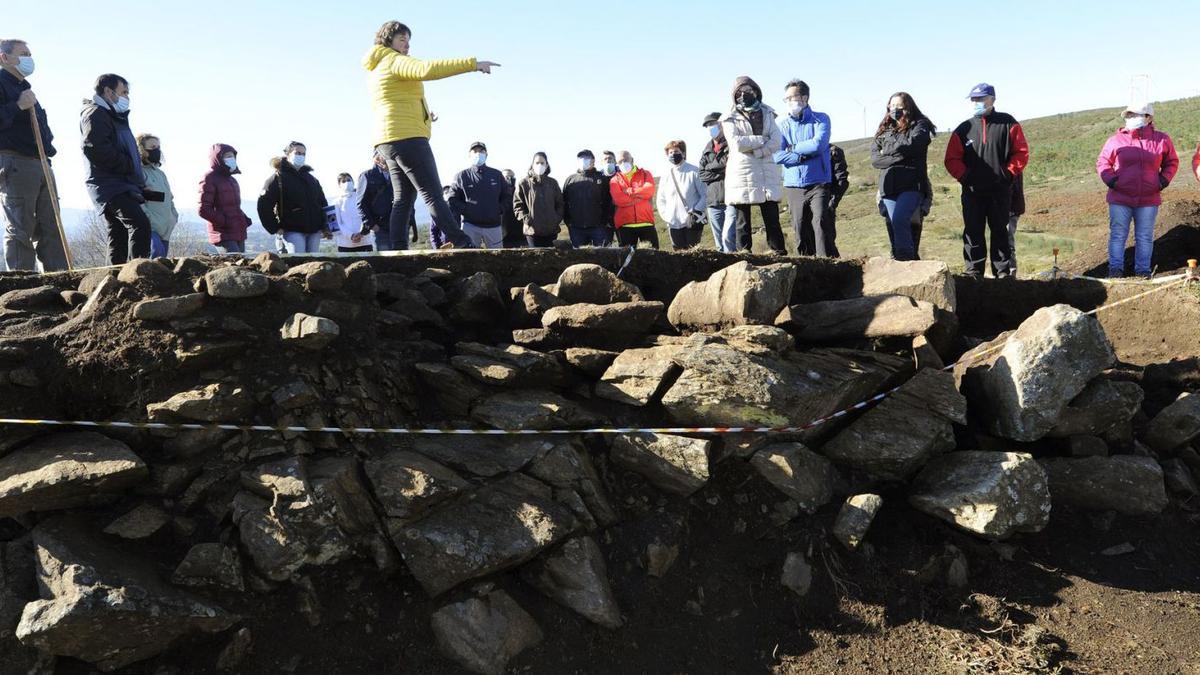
479, 196
114, 165
805, 153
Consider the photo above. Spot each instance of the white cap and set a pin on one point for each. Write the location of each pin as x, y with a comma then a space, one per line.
1140, 108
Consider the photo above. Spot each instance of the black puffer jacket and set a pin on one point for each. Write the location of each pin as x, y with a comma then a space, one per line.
587, 202
292, 200
902, 159
712, 173
841, 174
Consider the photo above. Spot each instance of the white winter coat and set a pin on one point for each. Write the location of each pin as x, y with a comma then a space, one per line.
752, 176
671, 207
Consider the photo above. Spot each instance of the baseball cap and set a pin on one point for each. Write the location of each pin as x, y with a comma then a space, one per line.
711, 118
982, 89
478, 145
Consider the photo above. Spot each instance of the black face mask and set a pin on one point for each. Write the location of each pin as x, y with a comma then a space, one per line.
676, 157
747, 100
897, 115
155, 156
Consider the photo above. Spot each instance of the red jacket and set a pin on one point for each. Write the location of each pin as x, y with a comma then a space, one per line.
1196, 162
633, 198
1137, 165
221, 200
985, 153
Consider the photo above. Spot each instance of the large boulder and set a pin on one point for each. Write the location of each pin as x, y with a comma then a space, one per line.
166, 309
218, 402
724, 386
576, 577
675, 464
509, 365
926, 280
992, 494
737, 295
1177, 424
497, 527
855, 519
1102, 406
859, 318
801, 474
236, 283
637, 377
319, 276
103, 606
895, 438
484, 634
567, 467
616, 325
532, 409
67, 470
312, 333
484, 456
407, 484
594, 285
453, 391
1125, 483
1021, 382
477, 300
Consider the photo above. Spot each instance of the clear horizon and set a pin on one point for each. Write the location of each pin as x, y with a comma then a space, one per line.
623, 75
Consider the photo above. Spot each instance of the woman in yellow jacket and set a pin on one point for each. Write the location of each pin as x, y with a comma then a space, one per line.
402, 128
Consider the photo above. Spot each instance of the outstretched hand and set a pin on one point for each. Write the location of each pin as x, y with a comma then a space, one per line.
485, 67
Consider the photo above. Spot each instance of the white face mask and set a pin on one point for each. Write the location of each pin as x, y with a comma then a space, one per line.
626, 167
347, 188
122, 104
25, 66
796, 107
231, 162
479, 158
1136, 122
586, 163
539, 169
298, 160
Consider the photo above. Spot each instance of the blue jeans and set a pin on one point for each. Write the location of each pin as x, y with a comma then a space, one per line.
588, 236
158, 246
1143, 218
729, 229
230, 246
299, 242
899, 219
724, 240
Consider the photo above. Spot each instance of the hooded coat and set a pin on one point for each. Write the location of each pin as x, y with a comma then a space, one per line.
398, 95
292, 200
751, 174
221, 199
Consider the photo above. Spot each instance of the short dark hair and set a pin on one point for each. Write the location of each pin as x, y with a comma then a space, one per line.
799, 84
109, 81
8, 45
680, 145
345, 178
388, 32
610, 153
293, 145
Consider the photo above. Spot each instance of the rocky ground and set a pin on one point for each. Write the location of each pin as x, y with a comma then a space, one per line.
1031, 509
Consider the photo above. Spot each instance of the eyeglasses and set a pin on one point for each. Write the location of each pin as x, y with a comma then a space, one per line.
793, 99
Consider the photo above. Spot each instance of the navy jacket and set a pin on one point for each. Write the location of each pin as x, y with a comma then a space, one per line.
587, 202
16, 129
375, 199
114, 165
478, 196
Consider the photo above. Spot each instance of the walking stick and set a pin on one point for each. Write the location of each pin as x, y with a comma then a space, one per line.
62, 235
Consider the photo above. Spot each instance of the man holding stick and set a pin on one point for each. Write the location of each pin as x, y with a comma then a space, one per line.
31, 233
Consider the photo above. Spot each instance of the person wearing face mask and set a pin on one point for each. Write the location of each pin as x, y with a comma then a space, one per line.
751, 175
807, 171
30, 232
901, 153
115, 179
538, 204
351, 237
292, 202
712, 174
160, 202
478, 198
587, 205
374, 193
1137, 163
404, 125
632, 191
221, 201
608, 169
985, 154
681, 198
514, 233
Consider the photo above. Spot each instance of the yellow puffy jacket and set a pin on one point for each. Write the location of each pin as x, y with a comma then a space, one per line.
397, 94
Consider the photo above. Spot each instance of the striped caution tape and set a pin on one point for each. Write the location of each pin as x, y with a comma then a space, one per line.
380, 431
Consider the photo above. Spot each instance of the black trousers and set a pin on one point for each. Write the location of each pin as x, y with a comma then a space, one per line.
413, 170
540, 241
987, 211
813, 220
630, 236
128, 229
683, 238
770, 216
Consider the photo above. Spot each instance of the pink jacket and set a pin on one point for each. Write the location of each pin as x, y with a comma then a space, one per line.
1141, 162
1196, 162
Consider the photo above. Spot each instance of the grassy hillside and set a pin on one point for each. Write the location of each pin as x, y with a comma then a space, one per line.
1065, 198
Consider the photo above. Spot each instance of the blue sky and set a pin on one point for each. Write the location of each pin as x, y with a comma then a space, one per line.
618, 74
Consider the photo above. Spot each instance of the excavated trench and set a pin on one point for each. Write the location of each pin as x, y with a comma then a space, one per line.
178, 551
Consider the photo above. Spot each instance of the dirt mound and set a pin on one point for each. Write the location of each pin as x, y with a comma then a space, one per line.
1176, 240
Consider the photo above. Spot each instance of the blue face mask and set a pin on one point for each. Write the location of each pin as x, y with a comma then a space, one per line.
714, 130
479, 158
981, 109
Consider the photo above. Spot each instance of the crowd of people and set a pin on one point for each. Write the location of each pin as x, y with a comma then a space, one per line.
755, 156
